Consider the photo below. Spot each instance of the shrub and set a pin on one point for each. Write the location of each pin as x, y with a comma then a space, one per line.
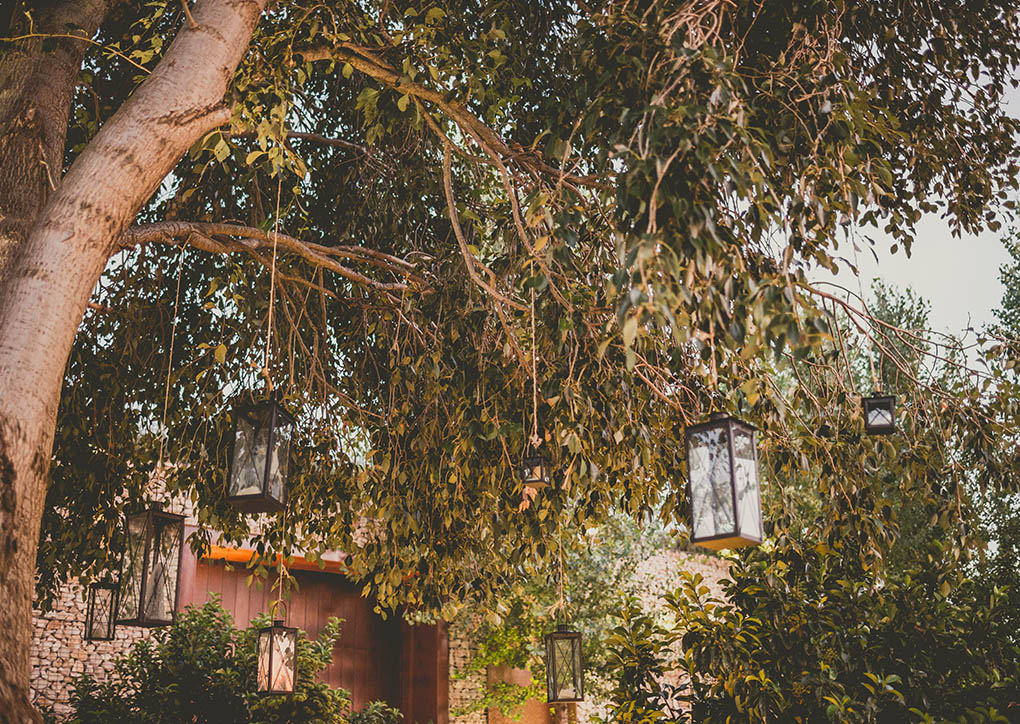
202, 670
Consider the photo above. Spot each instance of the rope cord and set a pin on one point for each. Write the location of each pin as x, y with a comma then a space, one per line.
272, 286
279, 580
561, 606
169, 369
875, 387
535, 439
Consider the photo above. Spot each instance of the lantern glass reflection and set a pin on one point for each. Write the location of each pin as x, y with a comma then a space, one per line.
723, 484
151, 568
277, 659
260, 457
879, 415
563, 666
101, 614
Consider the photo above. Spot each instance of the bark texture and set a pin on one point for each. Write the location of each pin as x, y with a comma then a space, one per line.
37, 84
50, 277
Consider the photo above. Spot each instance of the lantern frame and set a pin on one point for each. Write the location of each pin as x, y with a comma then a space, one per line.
276, 629
153, 516
263, 501
879, 402
90, 612
534, 470
563, 633
736, 538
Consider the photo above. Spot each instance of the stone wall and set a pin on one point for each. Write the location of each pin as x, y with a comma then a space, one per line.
465, 686
60, 652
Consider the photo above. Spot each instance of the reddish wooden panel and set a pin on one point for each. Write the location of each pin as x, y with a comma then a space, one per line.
366, 660
425, 684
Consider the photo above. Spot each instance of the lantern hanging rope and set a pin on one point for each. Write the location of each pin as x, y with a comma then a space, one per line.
561, 606
272, 286
535, 440
534, 471
281, 570
169, 369
842, 348
875, 388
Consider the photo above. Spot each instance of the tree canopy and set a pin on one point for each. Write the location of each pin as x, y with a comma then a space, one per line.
442, 229
425, 208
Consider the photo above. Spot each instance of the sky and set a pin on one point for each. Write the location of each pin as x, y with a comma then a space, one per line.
959, 276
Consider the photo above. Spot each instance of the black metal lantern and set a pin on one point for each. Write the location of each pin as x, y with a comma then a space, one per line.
257, 481
534, 471
151, 570
101, 614
277, 659
879, 415
723, 484
564, 672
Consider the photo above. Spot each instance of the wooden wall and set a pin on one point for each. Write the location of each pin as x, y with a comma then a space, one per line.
375, 659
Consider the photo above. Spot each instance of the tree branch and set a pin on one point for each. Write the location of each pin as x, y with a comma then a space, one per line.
203, 235
469, 259
367, 62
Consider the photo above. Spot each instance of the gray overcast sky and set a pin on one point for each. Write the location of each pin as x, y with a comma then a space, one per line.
959, 276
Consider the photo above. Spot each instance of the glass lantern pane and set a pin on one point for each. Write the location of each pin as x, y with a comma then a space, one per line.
280, 457
161, 578
101, 613
711, 496
249, 463
745, 475
567, 668
283, 661
880, 416
262, 676
133, 566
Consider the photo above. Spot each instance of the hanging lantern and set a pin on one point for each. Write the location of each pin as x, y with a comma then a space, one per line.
879, 415
564, 673
258, 461
151, 569
534, 471
101, 614
277, 659
723, 484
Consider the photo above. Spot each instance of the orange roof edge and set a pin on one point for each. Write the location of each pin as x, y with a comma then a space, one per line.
243, 556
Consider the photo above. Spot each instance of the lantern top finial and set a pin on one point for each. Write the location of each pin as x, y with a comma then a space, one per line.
562, 628
278, 622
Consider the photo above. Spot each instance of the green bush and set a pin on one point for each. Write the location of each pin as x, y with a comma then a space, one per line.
798, 639
377, 712
202, 670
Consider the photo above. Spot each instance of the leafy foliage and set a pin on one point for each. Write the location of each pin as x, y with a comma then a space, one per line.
592, 223
598, 571
202, 669
805, 636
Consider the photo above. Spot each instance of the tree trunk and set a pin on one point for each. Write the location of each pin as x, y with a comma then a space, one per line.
37, 86
51, 275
